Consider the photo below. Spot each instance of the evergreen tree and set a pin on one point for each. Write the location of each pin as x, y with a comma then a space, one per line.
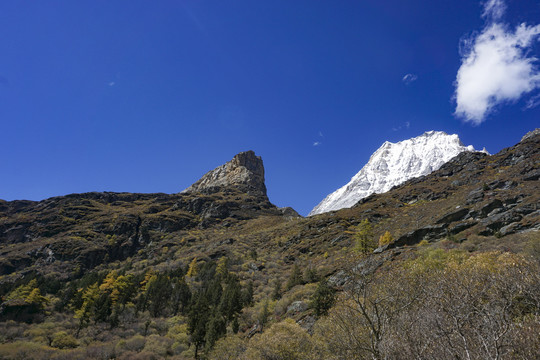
295, 277
323, 298
310, 275
276, 293
235, 326
264, 314
247, 294
216, 328
158, 294
181, 295
214, 292
197, 320
231, 301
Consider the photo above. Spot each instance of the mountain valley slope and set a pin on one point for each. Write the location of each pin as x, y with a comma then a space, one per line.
474, 203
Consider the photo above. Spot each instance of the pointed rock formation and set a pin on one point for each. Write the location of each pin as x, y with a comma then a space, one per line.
245, 171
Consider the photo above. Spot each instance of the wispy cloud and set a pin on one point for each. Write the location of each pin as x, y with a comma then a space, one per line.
409, 78
533, 102
112, 83
494, 9
318, 142
496, 66
406, 125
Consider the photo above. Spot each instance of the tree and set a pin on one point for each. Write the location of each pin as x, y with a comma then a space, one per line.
295, 278
363, 237
310, 275
235, 326
193, 268
222, 267
216, 328
276, 293
181, 295
385, 239
264, 313
323, 298
87, 310
197, 320
158, 293
247, 294
231, 300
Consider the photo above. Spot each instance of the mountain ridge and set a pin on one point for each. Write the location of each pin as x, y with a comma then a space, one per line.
392, 164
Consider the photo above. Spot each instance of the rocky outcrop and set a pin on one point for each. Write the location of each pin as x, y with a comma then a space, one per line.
245, 171
531, 134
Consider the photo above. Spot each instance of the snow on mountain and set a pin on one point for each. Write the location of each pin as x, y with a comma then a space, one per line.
393, 164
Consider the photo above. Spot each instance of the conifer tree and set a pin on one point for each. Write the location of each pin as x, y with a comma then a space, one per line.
193, 268
363, 236
323, 298
295, 278
276, 293
385, 239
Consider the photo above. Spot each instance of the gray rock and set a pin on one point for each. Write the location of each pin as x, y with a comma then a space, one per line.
453, 216
414, 237
531, 134
245, 170
488, 208
297, 307
289, 212
307, 323
461, 227
475, 196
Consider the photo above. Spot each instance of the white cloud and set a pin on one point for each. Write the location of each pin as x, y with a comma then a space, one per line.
112, 83
533, 102
496, 67
494, 9
406, 125
317, 143
409, 78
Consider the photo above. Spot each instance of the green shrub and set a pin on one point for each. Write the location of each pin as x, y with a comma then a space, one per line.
62, 340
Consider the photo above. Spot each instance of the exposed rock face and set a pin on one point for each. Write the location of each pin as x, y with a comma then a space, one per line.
244, 171
393, 164
531, 134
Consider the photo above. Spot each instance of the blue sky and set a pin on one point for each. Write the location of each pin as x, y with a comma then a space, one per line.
147, 96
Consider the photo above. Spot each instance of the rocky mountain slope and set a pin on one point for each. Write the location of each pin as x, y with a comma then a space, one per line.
392, 164
135, 252
85, 230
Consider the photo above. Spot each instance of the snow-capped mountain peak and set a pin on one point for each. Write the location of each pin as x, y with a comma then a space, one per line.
393, 164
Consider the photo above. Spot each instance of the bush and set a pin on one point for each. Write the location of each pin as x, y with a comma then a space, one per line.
228, 348
135, 344
158, 345
25, 350
62, 340
284, 340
